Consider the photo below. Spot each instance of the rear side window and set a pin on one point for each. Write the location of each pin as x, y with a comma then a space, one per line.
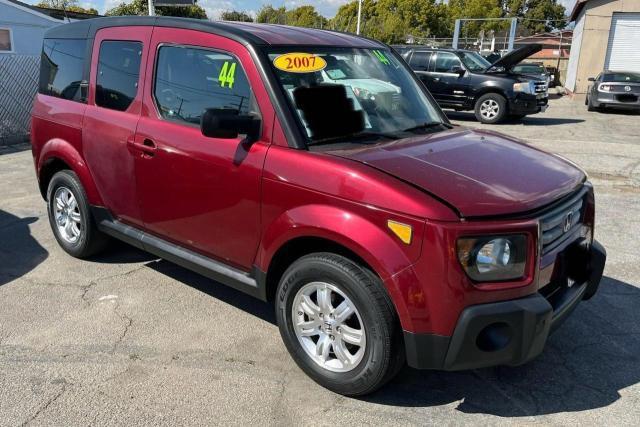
190, 80
61, 68
118, 74
420, 61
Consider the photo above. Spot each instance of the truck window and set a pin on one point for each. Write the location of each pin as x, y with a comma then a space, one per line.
446, 62
190, 80
61, 68
420, 61
118, 74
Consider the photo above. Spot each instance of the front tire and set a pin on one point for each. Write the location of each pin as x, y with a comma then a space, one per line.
339, 324
70, 218
491, 108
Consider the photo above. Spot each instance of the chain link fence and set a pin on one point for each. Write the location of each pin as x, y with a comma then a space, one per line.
18, 86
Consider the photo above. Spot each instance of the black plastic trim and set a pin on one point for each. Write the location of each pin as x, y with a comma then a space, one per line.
526, 323
201, 264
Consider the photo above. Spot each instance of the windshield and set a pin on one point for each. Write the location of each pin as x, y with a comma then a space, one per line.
474, 61
621, 77
529, 69
343, 94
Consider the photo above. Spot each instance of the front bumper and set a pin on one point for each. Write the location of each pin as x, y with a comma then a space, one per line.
507, 332
528, 104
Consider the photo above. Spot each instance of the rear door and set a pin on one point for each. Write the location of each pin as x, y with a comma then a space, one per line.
419, 62
199, 192
112, 114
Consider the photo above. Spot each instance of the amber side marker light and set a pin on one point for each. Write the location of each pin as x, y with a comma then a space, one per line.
403, 231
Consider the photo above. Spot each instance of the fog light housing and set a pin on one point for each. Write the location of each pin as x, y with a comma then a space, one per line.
493, 258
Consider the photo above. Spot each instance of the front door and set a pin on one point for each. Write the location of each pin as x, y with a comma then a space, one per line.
112, 114
449, 86
201, 193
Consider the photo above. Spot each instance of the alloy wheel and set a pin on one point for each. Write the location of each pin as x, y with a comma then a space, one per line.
489, 109
328, 326
67, 215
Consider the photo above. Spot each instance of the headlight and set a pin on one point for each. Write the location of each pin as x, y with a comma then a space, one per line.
604, 88
493, 258
526, 87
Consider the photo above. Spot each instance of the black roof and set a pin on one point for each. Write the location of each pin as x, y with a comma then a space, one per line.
243, 32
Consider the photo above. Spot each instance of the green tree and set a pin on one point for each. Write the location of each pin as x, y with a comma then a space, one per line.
141, 7
392, 21
270, 15
459, 9
538, 15
68, 5
234, 15
305, 16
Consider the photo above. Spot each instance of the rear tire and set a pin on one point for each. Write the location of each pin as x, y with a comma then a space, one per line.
70, 217
363, 350
491, 108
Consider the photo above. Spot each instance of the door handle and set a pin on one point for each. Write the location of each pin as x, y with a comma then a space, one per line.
148, 147
436, 79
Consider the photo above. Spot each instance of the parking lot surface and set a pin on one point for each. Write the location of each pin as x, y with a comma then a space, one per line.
127, 339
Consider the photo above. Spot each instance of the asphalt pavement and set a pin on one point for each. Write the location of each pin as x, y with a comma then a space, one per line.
126, 339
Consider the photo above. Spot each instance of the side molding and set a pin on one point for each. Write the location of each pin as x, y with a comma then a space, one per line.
218, 271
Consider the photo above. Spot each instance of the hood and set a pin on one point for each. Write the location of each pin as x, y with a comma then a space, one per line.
516, 56
479, 173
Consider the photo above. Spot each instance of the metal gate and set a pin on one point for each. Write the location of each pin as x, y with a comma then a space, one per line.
18, 86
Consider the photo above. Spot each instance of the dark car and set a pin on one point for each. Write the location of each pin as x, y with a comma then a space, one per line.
533, 69
614, 89
464, 80
311, 169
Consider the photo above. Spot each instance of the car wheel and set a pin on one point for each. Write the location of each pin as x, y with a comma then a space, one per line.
491, 108
339, 324
590, 106
70, 217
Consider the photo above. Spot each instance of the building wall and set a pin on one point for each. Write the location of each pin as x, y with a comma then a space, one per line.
28, 29
595, 37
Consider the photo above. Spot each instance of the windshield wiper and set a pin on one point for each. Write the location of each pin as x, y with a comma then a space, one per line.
352, 137
428, 125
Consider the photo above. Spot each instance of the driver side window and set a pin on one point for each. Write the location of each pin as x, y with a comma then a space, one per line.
190, 80
446, 62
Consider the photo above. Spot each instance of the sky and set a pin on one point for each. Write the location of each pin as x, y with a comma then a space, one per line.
327, 8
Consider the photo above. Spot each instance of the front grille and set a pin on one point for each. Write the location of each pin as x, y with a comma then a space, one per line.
559, 223
541, 88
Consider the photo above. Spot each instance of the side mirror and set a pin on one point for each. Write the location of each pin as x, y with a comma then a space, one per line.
458, 70
228, 124
591, 79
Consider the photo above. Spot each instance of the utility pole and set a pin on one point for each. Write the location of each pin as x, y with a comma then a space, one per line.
152, 8
359, 16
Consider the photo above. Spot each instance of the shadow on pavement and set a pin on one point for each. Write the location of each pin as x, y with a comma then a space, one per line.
585, 365
19, 251
468, 116
250, 305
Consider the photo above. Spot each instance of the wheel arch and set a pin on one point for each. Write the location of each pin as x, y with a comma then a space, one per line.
315, 228
489, 89
58, 154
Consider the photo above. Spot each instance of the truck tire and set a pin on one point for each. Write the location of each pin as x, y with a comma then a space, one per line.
70, 217
491, 108
338, 323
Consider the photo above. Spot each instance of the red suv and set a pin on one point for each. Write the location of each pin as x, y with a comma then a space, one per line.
312, 169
